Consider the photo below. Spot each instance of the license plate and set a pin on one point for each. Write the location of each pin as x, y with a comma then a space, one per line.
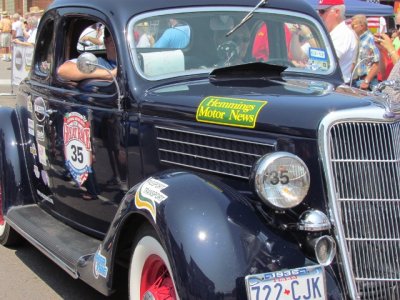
303, 283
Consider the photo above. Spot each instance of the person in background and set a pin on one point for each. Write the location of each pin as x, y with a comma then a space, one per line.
25, 29
396, 40
389, 64
146, 40
393, 33
344, 39
92, 37
301, 42
260, 47
5, 36
389, 56
177, 36
31, 31
17, 28
368, 55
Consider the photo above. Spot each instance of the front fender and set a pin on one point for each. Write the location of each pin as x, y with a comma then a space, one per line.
13, 172
213, 236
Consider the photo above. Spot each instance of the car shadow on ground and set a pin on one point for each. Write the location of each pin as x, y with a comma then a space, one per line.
58, 280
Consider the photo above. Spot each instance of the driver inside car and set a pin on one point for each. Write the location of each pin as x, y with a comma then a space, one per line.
69, 71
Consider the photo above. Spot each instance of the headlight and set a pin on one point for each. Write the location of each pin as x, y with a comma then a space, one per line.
281, 179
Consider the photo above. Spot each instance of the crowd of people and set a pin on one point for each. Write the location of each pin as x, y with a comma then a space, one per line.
15, 29
364, 58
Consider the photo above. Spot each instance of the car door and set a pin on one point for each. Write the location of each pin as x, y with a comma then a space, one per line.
79, 137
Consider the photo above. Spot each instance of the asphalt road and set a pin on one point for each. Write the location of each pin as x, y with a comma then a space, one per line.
25, 273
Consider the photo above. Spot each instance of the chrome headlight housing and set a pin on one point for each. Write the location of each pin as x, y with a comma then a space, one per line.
281, 179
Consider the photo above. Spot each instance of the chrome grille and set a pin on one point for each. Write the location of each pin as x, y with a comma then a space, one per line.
221, 155
365, 162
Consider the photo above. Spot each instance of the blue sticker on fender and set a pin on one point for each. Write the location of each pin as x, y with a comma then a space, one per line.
100, 265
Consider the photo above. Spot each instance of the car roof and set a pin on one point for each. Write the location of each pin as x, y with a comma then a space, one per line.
129, 8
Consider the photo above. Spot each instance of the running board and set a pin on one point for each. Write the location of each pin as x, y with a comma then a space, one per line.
62, 244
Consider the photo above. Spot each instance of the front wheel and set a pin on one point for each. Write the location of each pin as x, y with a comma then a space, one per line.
150, 275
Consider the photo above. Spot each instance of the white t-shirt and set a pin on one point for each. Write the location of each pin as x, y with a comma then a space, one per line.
32, 36
144, 41
17, 27
345, 42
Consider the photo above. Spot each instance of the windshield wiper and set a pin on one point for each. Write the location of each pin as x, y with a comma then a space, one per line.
247, 17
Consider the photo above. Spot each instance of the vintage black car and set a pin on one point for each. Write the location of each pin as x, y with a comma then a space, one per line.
225, 160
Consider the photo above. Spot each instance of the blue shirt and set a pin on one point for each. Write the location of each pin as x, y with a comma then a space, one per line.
367, 48
175, 37
108, 64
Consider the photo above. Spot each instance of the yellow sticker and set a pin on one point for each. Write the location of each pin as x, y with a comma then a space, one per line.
229, 111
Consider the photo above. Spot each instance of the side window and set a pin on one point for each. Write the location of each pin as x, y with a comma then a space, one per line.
44, 49
97, 80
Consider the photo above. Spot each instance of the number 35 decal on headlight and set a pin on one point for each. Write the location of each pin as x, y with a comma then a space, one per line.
281, 179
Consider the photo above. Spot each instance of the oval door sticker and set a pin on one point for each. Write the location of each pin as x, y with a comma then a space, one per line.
77, 146
39, 107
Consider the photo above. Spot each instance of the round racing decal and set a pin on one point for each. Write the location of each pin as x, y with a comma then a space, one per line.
77, 146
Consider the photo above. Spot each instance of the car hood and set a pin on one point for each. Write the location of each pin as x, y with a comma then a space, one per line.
288, 105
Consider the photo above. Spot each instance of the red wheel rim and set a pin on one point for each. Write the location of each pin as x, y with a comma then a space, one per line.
156, 280
1, 207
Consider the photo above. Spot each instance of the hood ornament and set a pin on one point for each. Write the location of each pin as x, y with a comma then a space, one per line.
385, 91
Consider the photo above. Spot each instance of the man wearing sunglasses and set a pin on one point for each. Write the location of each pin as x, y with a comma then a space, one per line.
344, 39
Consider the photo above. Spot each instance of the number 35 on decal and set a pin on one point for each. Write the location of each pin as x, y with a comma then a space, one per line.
276, 177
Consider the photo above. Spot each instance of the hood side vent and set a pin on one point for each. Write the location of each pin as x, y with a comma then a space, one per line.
207, 152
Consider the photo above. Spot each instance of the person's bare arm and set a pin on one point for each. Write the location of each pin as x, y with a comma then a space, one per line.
91, 39
17, 41
373, 72
70, 71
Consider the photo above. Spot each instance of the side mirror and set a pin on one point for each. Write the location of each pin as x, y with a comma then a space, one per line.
87, 62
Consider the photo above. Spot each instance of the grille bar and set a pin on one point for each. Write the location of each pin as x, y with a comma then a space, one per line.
207, 152
365, 162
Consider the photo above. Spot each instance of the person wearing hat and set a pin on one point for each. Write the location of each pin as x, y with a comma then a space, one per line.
5, 36
30, 39
345, 41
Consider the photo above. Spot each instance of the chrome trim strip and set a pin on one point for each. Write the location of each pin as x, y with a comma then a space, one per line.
365, 114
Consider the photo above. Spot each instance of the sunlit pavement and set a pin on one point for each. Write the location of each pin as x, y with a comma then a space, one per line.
7, 97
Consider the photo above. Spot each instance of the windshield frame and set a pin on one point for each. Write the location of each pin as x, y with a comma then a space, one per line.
333, 65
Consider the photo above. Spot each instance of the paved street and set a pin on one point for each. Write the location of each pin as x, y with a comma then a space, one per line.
5, 85
25, 273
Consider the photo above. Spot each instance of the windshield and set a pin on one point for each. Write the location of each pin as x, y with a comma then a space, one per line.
182, 42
